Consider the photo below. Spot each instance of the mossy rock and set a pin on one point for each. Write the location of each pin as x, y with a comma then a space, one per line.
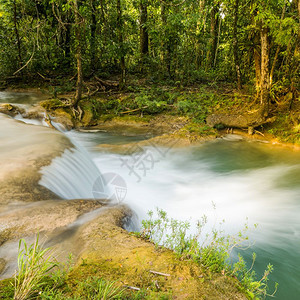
11, 110
88, 117
64, 116
51, 104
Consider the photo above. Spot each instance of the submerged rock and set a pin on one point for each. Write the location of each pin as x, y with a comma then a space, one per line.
10, 109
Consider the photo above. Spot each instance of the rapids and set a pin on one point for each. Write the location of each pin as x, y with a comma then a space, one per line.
227, 179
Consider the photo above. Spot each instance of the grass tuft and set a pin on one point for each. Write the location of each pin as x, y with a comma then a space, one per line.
34, 263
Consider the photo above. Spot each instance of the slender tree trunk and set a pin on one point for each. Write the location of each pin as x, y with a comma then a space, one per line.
121, 46
202, 12
278, 47
295, 80
257, 63
235, 46
200, 30
144, 37
93, 36
166, 44
17, 33
67, 45
265, 75
218, 41
78, 55
212, 43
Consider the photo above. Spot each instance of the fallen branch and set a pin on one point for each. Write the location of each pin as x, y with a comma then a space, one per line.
159, 273
107, 83
33, 52
73, 77
133, 110
45, 78
132, 287
256, 131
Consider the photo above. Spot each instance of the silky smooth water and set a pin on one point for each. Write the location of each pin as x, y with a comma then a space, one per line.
231, 180
226, 180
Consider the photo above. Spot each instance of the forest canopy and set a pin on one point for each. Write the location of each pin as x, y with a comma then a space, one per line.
253, 42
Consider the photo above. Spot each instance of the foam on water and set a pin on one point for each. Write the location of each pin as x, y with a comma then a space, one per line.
232, 181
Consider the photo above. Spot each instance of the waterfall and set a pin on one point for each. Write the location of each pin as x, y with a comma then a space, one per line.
74, 176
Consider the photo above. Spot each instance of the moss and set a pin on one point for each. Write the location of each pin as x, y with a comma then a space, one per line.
52, 104
7, 289
200, 129
134, 118
286, 128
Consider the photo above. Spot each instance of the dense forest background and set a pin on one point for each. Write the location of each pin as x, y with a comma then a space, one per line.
179, 42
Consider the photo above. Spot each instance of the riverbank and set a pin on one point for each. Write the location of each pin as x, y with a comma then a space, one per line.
159, 130
157, 110
89, 229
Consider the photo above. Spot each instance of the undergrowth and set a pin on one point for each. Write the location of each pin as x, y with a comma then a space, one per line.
210, 249
40, 276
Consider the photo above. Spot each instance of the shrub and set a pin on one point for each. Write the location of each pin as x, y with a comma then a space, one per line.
211, 250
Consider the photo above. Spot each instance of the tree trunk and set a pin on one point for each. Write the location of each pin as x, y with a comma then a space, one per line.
93, 36
144, 37
121, 46
265, 76
218, 41
17, 33
278, 47
67, 45
166, 47
235, 46
200, 30
78, 55
257, 63
212, 43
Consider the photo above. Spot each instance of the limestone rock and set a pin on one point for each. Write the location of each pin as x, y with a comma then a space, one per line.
237, 120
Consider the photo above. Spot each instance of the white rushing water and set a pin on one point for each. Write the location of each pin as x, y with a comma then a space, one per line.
235, 181
73, 176
232, 180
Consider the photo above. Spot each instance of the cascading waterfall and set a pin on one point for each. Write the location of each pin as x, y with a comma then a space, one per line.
73, 176
242, 180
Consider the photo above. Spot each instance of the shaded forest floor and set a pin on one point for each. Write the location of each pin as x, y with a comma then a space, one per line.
161, 107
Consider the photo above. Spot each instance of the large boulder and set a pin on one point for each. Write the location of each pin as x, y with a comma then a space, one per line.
250, 120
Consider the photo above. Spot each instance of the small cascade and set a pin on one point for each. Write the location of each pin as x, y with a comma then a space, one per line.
74, 176
38, 122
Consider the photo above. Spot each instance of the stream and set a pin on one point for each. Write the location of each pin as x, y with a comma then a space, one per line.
227, 179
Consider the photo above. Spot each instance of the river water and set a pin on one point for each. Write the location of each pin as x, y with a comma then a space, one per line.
227, 179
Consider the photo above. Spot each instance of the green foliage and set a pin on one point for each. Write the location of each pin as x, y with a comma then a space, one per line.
210, 249
40, 36
286, 128
7, 289
98, 288
200, 129
34, 263
52, 104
